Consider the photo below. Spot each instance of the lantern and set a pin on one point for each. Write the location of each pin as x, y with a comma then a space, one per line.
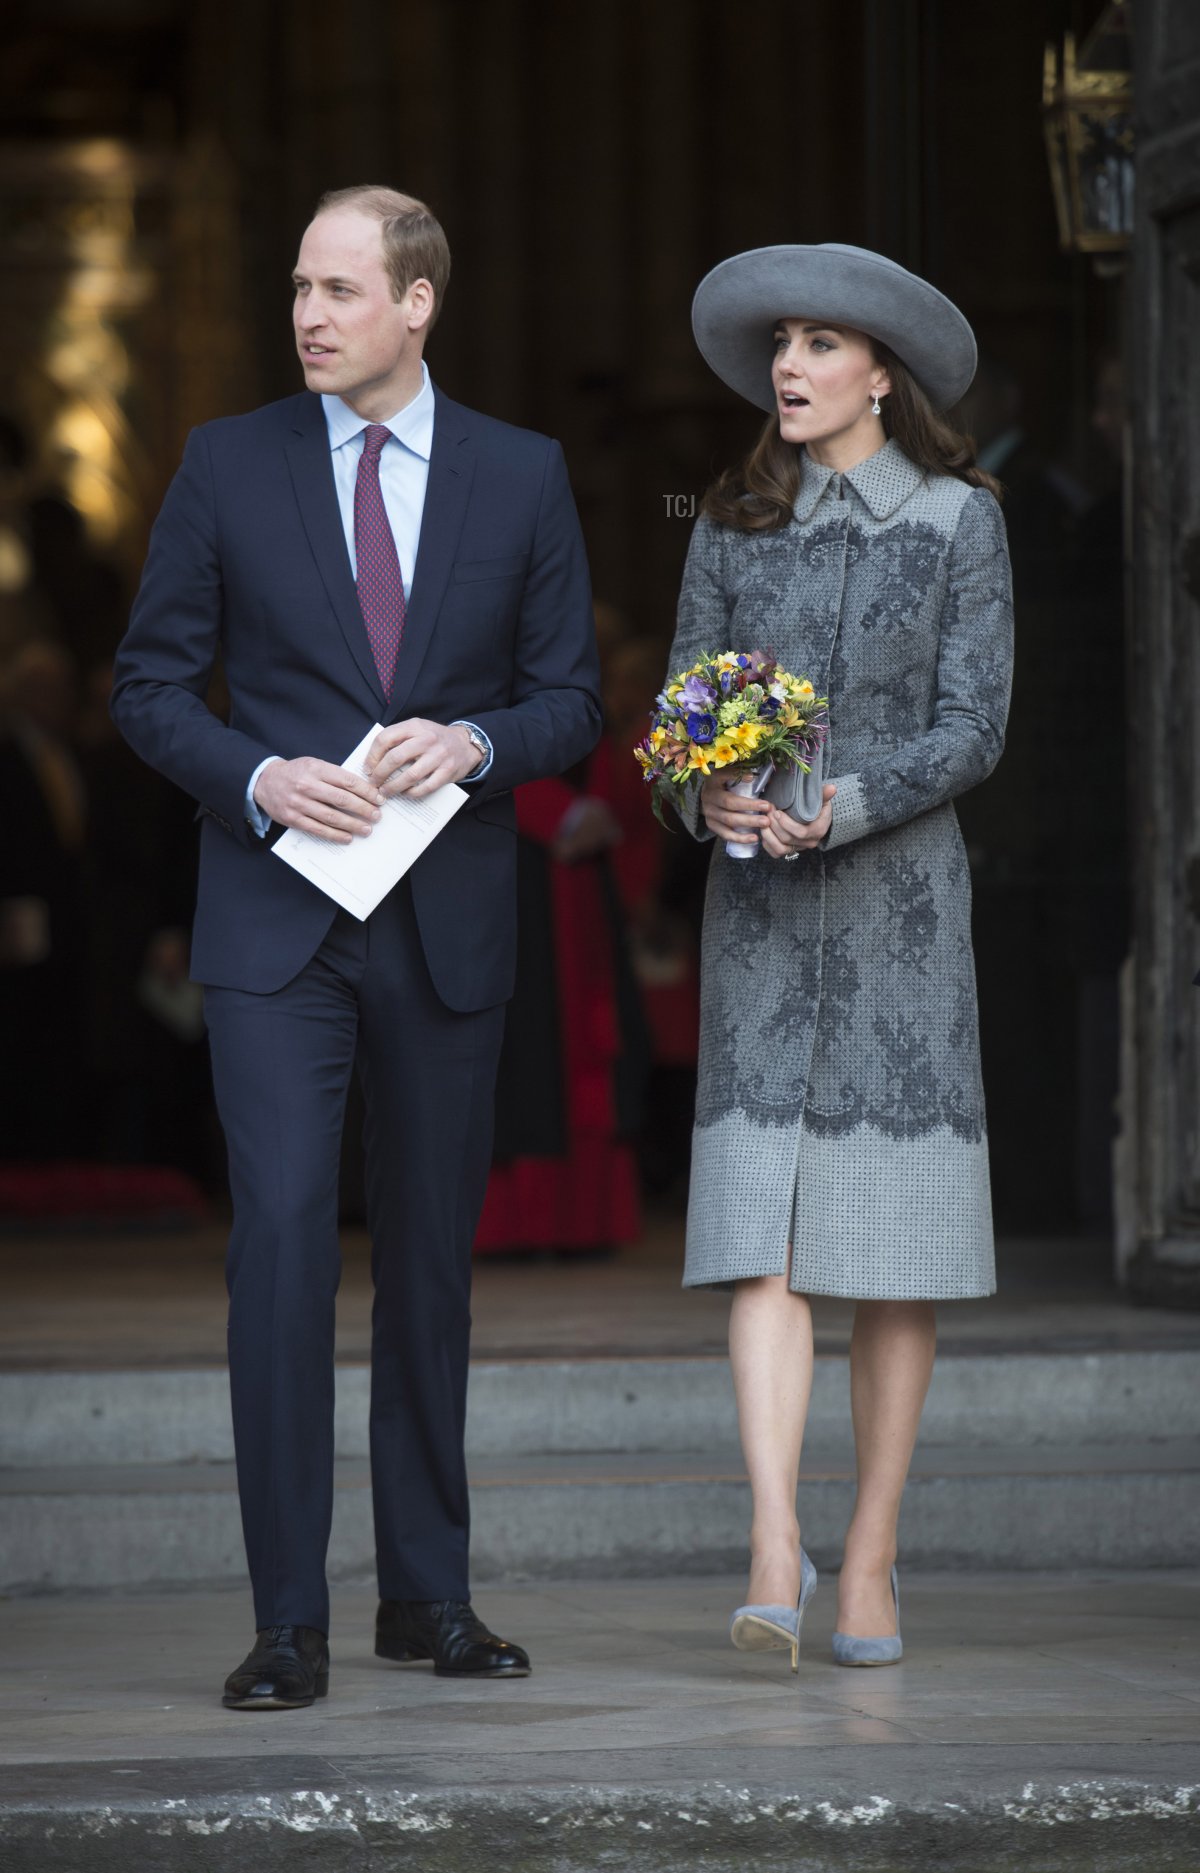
1088, 115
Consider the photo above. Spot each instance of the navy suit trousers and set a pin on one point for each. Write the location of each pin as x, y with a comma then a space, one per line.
281, 1067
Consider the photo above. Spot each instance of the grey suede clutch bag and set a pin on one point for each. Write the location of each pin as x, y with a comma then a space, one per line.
797, 793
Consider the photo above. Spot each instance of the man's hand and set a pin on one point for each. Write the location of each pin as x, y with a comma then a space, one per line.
416, 757
784, 835
316, 797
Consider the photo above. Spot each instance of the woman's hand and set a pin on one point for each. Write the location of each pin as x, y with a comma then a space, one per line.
732, 815
784, 836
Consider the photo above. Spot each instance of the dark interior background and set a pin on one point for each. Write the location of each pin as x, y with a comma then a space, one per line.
159, 159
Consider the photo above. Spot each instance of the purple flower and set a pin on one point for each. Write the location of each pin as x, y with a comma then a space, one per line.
695, 694
701, 727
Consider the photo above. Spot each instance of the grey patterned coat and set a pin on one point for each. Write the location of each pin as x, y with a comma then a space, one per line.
839, 1105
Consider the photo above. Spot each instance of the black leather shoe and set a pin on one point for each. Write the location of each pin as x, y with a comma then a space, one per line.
287, 1669
451, 1634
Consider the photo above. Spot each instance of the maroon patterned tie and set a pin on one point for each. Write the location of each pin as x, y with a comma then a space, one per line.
380, 586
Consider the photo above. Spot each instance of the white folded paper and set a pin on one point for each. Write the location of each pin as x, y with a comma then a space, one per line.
359, 876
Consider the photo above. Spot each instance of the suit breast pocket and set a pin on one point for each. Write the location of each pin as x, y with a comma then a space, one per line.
470, 571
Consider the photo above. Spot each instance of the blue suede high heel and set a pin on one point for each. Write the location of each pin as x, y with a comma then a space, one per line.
771, 1628
848, 1650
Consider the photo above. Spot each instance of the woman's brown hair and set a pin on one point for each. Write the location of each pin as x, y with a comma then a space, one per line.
759, 494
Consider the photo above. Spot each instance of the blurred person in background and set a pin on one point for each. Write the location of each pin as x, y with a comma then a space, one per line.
42, 927
151, 1094
660, 881
564, 1176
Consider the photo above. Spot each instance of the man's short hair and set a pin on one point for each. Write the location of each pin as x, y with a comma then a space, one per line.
414, 242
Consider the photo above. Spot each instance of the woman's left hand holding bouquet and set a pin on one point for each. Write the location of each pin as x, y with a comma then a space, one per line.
784, 837
746, 821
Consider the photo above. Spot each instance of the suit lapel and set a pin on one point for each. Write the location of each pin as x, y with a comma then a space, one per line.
312, 477
451, 470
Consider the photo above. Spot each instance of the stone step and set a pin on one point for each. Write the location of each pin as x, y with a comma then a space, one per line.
633, 1514
979, 1811
978, 1400
1038, 1724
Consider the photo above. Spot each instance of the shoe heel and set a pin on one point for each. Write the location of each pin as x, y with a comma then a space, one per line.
321, 1688
775, 1628
808, 1586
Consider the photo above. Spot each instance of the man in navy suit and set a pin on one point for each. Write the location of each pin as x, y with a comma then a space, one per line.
366, 551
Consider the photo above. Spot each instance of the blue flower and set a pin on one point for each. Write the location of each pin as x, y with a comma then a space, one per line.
701, 728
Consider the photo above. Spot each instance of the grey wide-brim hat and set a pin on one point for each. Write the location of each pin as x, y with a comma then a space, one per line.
739, 303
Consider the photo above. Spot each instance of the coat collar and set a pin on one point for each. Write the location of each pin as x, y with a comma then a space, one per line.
883, 482
451, 471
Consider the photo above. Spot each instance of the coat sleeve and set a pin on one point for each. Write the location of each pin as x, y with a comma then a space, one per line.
553, 719
164, 665
974, 678
701, 623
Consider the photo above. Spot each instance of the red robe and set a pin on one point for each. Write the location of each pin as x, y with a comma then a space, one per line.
671, 998
587, 1198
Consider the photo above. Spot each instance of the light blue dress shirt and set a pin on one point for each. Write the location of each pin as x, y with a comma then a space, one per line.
403, 478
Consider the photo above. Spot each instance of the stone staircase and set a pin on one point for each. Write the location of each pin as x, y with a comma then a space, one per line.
621, 1467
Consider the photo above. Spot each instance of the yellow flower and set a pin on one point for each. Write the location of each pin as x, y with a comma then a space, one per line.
701, 760
806, 689
724, 751
673, 689
747, 735
657, 738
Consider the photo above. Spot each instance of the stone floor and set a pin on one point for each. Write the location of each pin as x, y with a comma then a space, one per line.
85, 1301
1039, 1721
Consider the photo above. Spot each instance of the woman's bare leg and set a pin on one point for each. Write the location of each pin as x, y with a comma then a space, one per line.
771, 1353
891, 1361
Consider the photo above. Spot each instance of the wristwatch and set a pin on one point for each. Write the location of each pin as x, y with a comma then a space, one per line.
477, 742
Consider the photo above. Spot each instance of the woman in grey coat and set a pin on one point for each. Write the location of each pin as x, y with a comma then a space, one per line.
840, 1144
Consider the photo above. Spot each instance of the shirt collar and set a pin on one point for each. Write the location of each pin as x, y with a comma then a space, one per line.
412, 426
883, 482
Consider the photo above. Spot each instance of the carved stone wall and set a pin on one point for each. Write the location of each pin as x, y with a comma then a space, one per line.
1162, 1200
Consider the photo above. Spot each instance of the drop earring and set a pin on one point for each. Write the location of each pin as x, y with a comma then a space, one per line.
876, 408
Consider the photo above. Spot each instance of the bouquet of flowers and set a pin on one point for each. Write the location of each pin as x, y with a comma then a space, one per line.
731, 710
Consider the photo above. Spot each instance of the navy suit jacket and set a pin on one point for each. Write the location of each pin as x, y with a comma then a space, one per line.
248, 562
